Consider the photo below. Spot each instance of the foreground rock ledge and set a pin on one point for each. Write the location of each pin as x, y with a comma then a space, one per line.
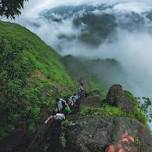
95, 134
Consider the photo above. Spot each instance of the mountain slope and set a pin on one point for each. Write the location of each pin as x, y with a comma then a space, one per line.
95, 24
81, 67
31, 77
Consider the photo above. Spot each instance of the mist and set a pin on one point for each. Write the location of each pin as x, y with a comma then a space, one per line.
132, 49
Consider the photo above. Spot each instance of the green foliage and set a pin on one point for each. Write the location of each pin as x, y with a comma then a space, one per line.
146, 106
93, 86
137, 113
31, 77
132, 98
80, 68
110, 111
107, 110
10, 8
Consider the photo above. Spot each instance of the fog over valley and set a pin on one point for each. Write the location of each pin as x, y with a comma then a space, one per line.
75, 76
116, 29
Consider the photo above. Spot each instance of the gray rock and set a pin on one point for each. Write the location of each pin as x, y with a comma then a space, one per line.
94, 134
117, 97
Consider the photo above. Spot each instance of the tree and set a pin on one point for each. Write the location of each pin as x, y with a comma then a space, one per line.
10, 8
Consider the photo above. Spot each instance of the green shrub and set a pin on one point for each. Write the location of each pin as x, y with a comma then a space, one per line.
107, 110
137, 112
31, 77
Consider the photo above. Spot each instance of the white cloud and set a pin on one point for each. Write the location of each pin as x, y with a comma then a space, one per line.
132, 50
129, 50
33, 7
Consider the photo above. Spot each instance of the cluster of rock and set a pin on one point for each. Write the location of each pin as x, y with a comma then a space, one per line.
117, 97
95, 134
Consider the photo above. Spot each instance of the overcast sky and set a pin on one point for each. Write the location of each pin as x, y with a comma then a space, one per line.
33, 7
129, 47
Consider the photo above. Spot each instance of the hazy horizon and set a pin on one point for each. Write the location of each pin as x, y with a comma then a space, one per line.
129, 49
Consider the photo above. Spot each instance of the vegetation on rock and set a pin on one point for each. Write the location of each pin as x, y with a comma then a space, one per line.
116, 109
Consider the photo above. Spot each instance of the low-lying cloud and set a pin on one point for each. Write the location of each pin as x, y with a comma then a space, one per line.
132, 49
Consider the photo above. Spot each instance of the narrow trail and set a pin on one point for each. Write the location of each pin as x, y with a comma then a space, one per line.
47, 136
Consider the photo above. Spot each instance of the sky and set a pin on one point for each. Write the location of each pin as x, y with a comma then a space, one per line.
35, 6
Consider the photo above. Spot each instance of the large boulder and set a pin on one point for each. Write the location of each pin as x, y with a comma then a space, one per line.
95, 134
117, 97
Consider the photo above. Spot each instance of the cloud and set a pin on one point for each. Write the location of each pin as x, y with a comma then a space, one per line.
129, 49
33, 7
133, 50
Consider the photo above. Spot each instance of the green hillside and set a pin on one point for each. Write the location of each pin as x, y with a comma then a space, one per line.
31, 77
95, 72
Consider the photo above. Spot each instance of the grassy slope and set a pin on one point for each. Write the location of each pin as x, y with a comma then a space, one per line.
31, 76
94, 71
80, 69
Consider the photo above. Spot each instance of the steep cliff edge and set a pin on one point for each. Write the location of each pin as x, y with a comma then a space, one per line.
31, 77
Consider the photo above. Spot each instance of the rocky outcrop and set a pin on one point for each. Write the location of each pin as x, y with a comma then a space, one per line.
89, 133
117, 97
46, 139
95, 134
